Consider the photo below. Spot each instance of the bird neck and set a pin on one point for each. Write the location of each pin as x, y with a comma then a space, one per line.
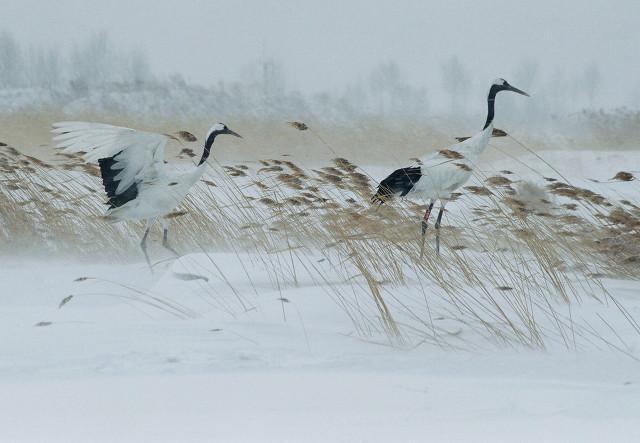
491, 100
194, 175
208, 144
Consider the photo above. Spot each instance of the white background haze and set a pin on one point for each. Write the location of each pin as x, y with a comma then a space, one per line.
328, 45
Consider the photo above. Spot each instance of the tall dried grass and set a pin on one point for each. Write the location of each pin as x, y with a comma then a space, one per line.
514, 262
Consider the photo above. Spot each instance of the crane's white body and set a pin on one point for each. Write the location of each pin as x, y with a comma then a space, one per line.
141, 161
443, 172
157, 197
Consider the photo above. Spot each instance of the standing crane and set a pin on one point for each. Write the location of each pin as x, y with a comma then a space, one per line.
132, 167
442, 172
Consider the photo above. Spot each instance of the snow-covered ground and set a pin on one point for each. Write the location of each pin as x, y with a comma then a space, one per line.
199, 352
108, 369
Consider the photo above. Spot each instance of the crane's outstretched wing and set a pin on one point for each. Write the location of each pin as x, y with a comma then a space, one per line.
126, 156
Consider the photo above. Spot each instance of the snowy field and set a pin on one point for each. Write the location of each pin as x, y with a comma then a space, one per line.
134, 356
109, 370
303, 304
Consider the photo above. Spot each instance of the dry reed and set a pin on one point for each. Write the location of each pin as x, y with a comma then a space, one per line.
512, 268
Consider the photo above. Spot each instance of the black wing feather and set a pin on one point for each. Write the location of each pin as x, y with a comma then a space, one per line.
399, 182
111, 184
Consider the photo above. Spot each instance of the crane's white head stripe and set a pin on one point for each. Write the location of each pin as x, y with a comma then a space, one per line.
214, 128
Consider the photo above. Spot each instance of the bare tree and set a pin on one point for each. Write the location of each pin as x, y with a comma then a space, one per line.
392, 93
140, 72
558, 91
11, 62
93, 63
273, 82
44, 69
592, 81
385, 84
455, 81
526, 75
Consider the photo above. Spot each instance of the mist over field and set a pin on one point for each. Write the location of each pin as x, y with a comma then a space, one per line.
377, 117
415, 66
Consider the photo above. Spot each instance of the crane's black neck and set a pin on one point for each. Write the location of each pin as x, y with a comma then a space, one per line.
208, 144
491, 100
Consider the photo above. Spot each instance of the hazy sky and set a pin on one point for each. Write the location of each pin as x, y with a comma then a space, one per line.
326, 44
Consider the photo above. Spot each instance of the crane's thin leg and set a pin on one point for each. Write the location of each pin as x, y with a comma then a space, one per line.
143, 243
425, 219
437, 226
165, 236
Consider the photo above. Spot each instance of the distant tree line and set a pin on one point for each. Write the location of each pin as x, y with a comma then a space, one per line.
94, 64
98, 70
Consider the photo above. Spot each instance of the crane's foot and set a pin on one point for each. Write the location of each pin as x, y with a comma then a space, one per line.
437, 226
165, 243
146, 256
422, 238
424, 225
170, 249
143, 246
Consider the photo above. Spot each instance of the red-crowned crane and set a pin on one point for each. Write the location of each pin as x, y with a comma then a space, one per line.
443, 172
137, 184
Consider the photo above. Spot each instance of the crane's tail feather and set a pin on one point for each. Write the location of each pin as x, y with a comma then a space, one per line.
111, 181
382, 195
399, 182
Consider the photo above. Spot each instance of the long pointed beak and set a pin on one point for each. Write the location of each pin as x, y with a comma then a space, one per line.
230, 132
511, 88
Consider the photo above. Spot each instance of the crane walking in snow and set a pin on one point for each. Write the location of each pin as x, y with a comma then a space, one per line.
442, 172
133, 170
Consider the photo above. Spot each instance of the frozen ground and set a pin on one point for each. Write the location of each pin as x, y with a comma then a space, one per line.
172, 357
